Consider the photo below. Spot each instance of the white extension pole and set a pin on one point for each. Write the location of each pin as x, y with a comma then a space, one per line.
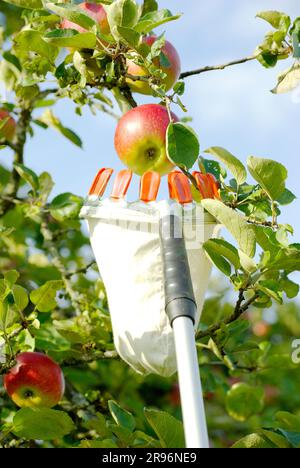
191, 395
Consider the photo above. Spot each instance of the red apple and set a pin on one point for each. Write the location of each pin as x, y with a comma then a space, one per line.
96, 11
140, 139
172, 70
35, 381
7, 132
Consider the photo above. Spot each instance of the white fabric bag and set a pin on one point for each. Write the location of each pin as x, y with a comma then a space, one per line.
126, 245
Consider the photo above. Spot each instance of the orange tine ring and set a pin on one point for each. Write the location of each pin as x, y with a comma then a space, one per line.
170, 184
95, 181
203, 185
181, 188
214, 185
121, 184
100, 182
149, 186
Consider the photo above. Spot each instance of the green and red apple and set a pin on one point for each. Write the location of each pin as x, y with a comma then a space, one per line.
35, 381
7, 132
172, 69
140, 139
96, 11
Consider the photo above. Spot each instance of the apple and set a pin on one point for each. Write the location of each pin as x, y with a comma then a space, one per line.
7, 132
172, 70
35, 381
96, 11
140, 139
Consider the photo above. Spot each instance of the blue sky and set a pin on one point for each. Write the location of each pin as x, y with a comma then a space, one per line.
232, 108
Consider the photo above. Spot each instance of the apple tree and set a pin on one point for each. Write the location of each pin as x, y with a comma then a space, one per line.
51, 299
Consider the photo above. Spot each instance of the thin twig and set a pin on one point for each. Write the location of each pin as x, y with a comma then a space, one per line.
80, 270
198, 71
238, 311
87, 359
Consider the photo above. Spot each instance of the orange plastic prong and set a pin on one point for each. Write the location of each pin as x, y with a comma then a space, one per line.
149, 186
181, 188
121, 184
204, 185
214, 185
95, 181
100, 182
170, 183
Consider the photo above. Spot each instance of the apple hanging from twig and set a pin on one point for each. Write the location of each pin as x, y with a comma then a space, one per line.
140, 139
35, 381
171, 68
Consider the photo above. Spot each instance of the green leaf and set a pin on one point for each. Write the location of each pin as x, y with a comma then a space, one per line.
149, 6
213, 167
122, 417
122, 13
51, 120
290, 288
66, 206
20, 296
7, 316
32, 41
243, 401
11, 277
254, 441
287, 421
271, 289
129, 36
46, 185
231, 162
267, 59
292, 437
28, 175
74, 14
182, 145
271, 175
168, 429
286, 259
71, 38
154, 19
4, 289
30, 4
41, 423
277, 19
220, 252
179, 88
79, 64
44, 298
286, 198
247, 263
237, 225
288, 80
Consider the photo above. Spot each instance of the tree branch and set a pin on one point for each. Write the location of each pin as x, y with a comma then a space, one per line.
198, 71
80, 270
18, 146
86, 359
56, 259
238, 311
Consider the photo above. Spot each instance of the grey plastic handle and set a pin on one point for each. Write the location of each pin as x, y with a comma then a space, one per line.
179, 294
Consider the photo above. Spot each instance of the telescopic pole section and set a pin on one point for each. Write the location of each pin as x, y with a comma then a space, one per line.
192, 405
181, 309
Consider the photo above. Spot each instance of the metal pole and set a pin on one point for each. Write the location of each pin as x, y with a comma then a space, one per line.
192, 405
181, 309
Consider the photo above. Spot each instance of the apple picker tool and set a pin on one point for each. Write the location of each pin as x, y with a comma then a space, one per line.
156, 273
